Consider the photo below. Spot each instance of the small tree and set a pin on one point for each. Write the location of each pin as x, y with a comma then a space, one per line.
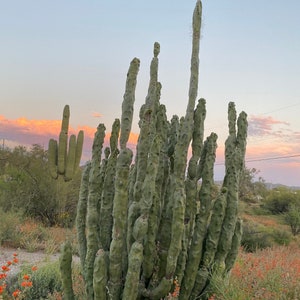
292, 218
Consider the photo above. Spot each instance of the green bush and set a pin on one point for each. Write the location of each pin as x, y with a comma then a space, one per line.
256, 236
45, 280
282, 237
9, 233
292, 218
279, 200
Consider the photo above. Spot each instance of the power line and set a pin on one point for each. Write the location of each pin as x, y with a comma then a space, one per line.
272, 158
265, 159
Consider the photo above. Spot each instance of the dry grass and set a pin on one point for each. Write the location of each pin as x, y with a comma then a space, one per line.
267, 274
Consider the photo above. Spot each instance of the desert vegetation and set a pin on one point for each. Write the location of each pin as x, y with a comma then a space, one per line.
267, 266
149, 222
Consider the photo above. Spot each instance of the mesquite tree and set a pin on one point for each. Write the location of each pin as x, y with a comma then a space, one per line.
144, 223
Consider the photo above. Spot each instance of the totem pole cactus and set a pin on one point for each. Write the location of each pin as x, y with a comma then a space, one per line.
146, 223
63, 159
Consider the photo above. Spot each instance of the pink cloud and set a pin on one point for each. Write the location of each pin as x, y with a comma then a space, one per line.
262, 126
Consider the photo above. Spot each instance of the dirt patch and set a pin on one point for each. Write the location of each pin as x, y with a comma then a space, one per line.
26, 258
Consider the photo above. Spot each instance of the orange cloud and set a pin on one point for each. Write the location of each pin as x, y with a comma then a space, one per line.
96, 115
23, 131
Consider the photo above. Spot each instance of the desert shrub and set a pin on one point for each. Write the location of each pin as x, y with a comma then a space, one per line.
279, 200
25, 182
17, 232
45, 280
261, 233
9, 233
256, 236
292, 218
33, 235
282, 237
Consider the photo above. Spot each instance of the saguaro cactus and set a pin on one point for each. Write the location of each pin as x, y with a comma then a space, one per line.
63, 159
165, 224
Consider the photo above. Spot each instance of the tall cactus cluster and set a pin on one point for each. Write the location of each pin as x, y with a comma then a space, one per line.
148, 222
64, 158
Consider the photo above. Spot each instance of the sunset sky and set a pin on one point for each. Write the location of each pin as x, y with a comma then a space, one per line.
78, 52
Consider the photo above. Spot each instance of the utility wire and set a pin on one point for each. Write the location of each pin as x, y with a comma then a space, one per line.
265, 159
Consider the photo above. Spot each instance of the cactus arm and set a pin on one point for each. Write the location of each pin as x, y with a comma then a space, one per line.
65, 119
196, 247
94, 197
191, 184
65, 265
63, 141
236, 242
117, 245
181, 150
100, 276
147, 131
194, 77
211, 243
106, 207
81, 214
52, 158
131, 287
106, 218
147, 203
128, 102
62, 150
70, 162
63, 160
79, 146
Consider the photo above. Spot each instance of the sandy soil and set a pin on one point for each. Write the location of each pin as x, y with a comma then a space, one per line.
25, 258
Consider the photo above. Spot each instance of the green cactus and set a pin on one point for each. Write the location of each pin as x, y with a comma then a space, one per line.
63, 159
143, 223
65, 264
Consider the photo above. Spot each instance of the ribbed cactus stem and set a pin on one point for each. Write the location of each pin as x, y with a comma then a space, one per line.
196, 247
81, 214
79, 147
128, 102
65, 119
194, 77
181, 148
106, 207
52, 158
135, 259
147, 205
65, 264
70, 163
119, 226
63, 141
236, 242
235, 147
210, 243
100, 276
191, 183
62, 152
94, 197
64, 160
147, 131
114, 135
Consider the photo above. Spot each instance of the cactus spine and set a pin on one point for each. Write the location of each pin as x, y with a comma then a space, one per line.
63, 159
161, 223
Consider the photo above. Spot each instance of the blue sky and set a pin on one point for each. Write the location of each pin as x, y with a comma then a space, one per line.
77, 52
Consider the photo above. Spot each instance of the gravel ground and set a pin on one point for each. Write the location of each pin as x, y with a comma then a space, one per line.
31, 258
